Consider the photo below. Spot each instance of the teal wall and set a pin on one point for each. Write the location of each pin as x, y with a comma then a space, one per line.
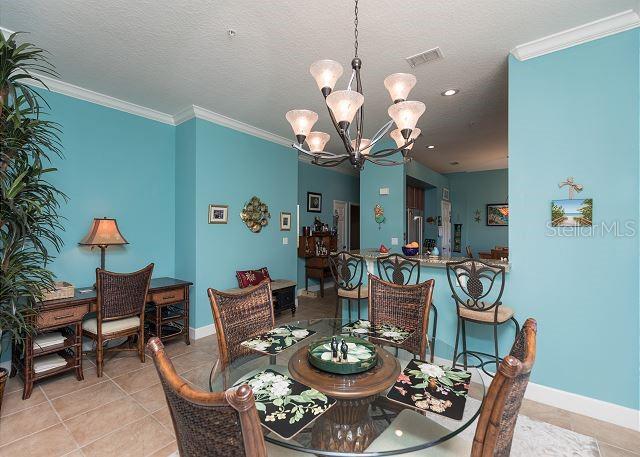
116, 165
575, 113
372, 178
333, 185
472, 191
227, 167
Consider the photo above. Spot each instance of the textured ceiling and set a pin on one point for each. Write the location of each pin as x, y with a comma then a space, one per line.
168, 54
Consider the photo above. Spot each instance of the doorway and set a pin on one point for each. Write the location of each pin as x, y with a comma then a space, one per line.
354, 226
446, 227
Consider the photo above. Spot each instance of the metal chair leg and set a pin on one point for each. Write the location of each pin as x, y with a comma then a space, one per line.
464, 343
455, 348
349, 304
433, 331
517, 327
495, 340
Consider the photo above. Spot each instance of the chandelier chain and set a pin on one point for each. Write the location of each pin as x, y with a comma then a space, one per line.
355, 32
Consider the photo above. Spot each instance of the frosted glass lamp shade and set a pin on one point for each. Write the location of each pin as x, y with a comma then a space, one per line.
365, 143
302, 121
317, 141
326, 74
344, 104
406, 114
396, 135
399, 85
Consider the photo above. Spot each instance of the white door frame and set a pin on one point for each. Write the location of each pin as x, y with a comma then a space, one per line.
446, 227
345, 222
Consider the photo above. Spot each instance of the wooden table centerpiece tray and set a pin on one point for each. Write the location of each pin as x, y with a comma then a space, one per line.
360, 355
428, 387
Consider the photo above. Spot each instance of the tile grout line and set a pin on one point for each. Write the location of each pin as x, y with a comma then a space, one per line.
60, 419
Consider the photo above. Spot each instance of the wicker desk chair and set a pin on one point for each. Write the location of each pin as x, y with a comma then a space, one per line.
402, 270
121, 298
498, 413
471, 283
211, 424
348, 271
240, 316
405, 306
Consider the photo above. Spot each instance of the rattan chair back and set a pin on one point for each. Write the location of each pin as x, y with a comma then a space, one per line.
405, 306
347, 270
475, 284
398, 269
121, 295
240, 316
209, 424
499, 413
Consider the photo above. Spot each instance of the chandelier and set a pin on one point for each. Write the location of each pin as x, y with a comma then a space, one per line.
346, 105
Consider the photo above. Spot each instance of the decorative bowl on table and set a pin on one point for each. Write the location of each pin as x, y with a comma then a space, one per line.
410, 252
361, 356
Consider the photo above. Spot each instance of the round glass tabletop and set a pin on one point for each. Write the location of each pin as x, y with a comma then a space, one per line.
377, 412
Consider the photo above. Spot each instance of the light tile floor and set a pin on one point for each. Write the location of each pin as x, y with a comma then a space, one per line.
124, 413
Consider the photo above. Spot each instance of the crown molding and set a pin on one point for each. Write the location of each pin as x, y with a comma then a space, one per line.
600, 28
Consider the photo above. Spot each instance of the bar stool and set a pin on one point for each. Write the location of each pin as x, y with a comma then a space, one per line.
476, 280
401, 270
347, 271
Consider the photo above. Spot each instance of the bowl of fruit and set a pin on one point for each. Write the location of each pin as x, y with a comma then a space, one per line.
411, 249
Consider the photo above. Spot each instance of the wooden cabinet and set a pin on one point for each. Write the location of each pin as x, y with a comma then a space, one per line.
315, 249
415, 198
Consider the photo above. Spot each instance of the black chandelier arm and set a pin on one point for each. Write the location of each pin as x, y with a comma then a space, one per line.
328, 163
388, 152
345, 141
360, 113
387, 162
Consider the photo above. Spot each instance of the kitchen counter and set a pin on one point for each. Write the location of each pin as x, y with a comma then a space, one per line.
371, 255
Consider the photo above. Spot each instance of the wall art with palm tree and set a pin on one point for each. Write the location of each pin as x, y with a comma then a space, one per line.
572, 212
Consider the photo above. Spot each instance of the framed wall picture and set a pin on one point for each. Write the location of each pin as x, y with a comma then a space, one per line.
572, 212
218, 214
314, 202
445, 194
285, 221
498, 214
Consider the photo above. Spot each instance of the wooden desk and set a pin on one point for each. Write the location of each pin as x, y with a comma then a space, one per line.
67, 313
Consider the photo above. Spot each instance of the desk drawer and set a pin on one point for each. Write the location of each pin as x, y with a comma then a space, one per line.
168, 296
56, 317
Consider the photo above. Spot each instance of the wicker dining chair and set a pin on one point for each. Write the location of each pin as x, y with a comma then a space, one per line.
498, 413
121, 298
240, 316
348, 272
402, 270
472, 284
404, 306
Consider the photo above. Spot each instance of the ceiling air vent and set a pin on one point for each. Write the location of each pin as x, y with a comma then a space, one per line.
425, 57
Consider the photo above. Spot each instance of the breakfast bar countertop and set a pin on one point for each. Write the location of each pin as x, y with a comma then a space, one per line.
425, 260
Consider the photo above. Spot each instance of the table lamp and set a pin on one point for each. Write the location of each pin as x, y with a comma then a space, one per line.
103, 233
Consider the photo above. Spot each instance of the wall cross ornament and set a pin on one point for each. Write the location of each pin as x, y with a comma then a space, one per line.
573, 187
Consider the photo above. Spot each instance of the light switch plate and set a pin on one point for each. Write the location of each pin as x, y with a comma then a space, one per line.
384, 191
394, 241
285, 240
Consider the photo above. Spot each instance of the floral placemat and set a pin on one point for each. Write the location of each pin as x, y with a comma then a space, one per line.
284, 405
379, 330
437, 388
278, 339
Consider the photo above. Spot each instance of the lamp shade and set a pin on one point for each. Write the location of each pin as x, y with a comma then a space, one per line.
103, 232
326, 73
317, 141
364, 145
399, 85
406, 114
399, 139
302, 121
344, 104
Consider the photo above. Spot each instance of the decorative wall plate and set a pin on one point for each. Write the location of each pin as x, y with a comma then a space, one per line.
255, 214
361, 356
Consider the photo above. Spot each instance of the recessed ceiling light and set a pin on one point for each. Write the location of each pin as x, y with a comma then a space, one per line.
449, 92
431, 146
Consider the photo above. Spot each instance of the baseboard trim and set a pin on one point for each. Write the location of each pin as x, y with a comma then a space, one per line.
587, 406
195, 333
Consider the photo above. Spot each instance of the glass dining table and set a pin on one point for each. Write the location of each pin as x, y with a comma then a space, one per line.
362, 415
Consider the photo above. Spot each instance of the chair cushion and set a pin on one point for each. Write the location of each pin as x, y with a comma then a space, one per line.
118, 325
364, 293
415, 429
504, 314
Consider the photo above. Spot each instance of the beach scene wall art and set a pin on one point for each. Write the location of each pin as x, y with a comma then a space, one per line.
572, 212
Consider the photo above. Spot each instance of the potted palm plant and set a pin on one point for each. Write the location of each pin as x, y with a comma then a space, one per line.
29, 220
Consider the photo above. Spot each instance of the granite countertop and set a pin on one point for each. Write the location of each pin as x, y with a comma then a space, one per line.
426, 260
